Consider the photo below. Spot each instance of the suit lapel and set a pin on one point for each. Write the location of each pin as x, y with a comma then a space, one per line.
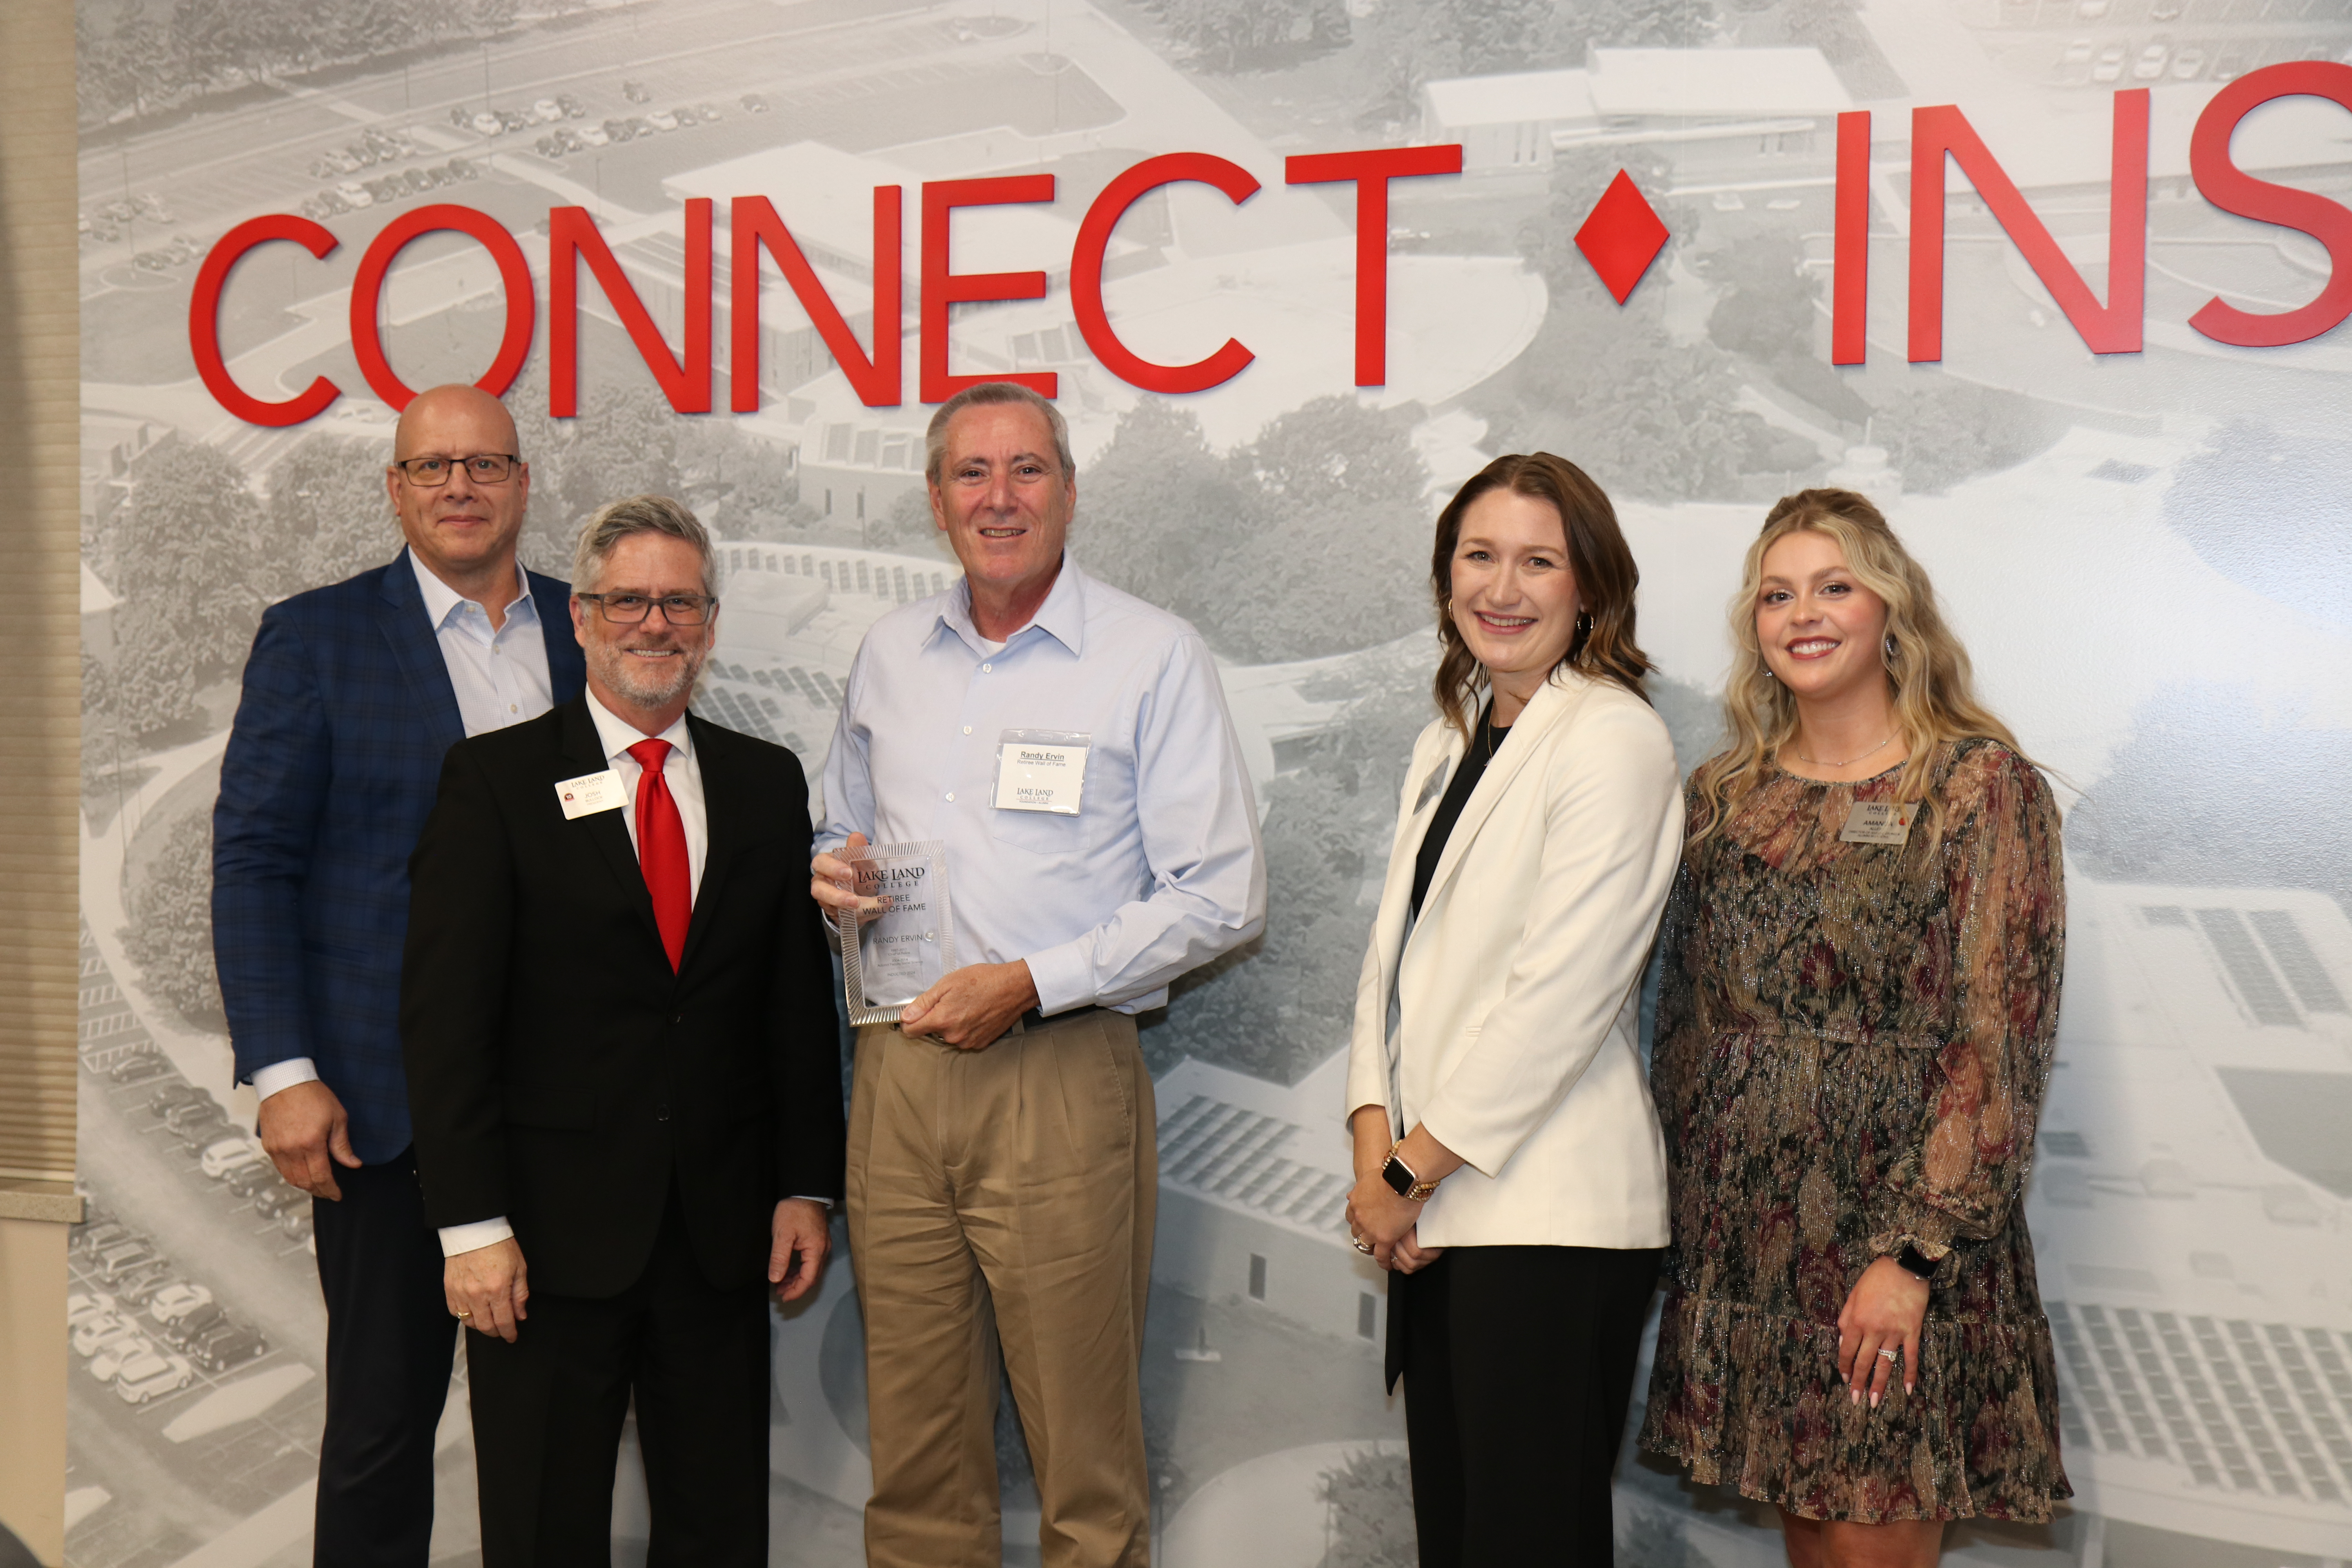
1429, 775
567, 669
1554, 703
583, 752
726, 807
417, 652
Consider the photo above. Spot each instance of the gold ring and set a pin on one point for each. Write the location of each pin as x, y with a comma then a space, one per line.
465, 1314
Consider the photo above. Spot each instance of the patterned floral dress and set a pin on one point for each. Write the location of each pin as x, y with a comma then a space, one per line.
1853, 1044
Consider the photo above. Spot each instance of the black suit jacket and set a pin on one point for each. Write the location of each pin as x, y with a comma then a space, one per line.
558, 1073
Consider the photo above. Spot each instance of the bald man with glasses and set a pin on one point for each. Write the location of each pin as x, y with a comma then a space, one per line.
352, 695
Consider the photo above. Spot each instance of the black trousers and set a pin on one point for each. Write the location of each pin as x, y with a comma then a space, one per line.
1518, 1365
548, 1411
390, 1341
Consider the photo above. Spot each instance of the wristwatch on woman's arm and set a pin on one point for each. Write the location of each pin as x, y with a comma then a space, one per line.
1400, 1179
1915, 1263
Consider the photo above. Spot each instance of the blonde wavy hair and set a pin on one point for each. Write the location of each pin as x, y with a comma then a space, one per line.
1935, 694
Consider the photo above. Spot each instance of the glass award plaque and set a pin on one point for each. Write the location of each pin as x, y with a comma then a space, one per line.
901, 947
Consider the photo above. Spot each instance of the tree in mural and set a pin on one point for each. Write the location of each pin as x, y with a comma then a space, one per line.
189, 536
328, 515
1233, 35
1371, 1499
170, 936
1155, 508
1939, 430
1338, 556
1311, 540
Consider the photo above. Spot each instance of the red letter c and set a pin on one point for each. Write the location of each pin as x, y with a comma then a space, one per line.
204, 320
1086, 272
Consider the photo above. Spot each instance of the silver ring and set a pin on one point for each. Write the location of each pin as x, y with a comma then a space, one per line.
1885, 1355
1358, 1242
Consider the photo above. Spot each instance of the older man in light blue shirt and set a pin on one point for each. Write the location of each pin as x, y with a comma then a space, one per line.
1002, 1158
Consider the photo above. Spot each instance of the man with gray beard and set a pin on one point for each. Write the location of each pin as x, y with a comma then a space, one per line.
618, 1022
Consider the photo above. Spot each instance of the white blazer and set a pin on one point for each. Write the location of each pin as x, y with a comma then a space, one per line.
1516, 994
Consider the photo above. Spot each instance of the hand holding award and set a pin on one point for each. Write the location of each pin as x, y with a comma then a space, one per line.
897, 947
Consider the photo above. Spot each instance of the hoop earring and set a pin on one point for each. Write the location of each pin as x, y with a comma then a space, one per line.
1894, 649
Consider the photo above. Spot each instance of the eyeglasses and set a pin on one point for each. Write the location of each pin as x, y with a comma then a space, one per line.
483, 469
628, 609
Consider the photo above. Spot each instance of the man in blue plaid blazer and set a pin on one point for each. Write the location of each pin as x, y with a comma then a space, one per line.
354, 693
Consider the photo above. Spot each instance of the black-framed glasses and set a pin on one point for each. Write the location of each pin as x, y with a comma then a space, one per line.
482, 467
629, 609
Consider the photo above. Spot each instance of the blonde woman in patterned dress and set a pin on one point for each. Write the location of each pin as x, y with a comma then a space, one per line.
1862, 957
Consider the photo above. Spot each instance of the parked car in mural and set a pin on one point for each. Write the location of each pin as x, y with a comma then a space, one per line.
109, 1363
237, 1153
153, 1376
226, 1347
100, 1330
176, 1302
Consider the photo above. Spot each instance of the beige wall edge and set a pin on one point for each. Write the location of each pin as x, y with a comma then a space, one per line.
40, 397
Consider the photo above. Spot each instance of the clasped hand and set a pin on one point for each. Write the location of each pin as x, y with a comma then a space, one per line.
1388, 1224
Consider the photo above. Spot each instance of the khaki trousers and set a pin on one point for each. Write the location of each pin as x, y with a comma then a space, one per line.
1004, 1198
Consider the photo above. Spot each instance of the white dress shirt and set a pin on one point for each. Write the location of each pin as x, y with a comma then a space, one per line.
500, 678
684, 777
1160, 870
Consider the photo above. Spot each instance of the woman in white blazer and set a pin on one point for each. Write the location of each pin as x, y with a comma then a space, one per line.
1509, 1169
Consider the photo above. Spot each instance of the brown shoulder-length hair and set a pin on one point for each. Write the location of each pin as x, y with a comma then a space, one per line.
1927, 670
1603, 647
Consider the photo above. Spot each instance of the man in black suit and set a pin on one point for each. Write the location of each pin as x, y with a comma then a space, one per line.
617, 1018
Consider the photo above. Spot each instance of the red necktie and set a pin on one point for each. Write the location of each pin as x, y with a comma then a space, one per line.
661, 849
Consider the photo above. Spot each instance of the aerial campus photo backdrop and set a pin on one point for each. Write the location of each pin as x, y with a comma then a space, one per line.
2149, 551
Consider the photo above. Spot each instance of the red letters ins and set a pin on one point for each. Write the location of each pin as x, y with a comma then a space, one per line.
2110, 329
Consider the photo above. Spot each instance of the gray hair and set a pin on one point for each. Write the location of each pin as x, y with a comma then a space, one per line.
986, 395
616, 521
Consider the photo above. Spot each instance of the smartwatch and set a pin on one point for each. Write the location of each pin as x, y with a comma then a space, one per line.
1403, 1181
1914, 1262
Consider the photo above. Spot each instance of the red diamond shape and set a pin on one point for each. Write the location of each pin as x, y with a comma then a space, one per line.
1621, 236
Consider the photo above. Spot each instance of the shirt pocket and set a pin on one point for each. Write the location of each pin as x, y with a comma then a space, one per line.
1041, 832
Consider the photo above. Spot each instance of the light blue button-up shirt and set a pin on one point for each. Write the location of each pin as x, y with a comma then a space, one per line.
500, 676
1158, 872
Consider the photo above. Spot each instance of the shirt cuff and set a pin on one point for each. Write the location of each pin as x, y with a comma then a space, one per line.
473, 1236
277, 1076
810, 1198
1061, 978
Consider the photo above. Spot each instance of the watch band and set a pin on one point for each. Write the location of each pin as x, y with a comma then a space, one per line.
1916, 1263
1400, 1179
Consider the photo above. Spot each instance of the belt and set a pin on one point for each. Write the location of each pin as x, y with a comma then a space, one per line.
1033, 1019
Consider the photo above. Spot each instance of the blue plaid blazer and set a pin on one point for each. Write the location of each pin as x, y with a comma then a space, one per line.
332, 766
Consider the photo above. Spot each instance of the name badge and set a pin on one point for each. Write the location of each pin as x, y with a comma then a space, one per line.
1879, 822
589, 794
1041, 770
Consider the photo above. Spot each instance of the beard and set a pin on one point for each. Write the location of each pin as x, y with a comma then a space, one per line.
648, 685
